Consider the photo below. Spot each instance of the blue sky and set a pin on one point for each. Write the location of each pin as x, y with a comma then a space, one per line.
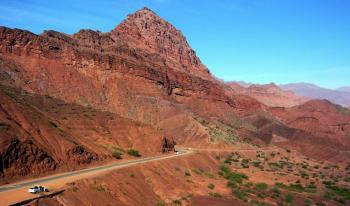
258, 41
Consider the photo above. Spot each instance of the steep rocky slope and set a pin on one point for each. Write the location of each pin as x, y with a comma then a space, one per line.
40, 134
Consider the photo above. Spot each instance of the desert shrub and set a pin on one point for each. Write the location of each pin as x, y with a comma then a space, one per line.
289, 198
275, 192
245, 163
209, 174
328, 183
232, 176
134, 152
256, 163
232, 184
187, 174
261, 186
117, 154
296, 187
312, 186
211, 186
342, 192
53, 124
160, 204
293, 187
177, 202
240, 194
215, 194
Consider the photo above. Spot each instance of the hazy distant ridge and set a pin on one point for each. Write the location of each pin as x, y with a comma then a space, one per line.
339, 96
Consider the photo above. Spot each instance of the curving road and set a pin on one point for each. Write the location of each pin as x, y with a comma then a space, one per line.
90, 170
16, 192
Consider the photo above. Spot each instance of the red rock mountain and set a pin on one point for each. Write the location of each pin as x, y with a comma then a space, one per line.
74, 98
327, 126
269, 94
146, 30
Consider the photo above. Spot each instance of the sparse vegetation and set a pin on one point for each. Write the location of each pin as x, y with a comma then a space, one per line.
134, 152
242, 195
160, 204
177, 202
232, 176
117, 154
289, 198
211, 186
261, 186
215, 194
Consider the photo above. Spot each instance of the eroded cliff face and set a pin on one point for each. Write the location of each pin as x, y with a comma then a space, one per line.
41, 134
146, 30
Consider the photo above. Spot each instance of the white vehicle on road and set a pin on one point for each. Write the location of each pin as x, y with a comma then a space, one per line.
37, 189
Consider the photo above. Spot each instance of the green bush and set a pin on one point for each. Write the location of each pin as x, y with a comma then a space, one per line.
134, 153
177, 202
342, 192
232, 184
232, 176
211, 186
242, 195
215, 194
289, 198
261, 186
256, 163
160, 204
116, 154
275, 192
296, 187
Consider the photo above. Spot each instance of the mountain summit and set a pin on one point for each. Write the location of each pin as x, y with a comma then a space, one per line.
144, 29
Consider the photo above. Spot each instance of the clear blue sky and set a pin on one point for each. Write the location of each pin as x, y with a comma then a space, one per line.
258, 41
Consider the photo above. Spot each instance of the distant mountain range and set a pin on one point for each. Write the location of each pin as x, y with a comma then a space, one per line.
339, 96
299, 91
268, 94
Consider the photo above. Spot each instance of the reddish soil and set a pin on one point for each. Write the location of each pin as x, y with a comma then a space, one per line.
327, 128
40, 134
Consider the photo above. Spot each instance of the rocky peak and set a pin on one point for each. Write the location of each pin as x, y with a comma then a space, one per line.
144, 29
90, 37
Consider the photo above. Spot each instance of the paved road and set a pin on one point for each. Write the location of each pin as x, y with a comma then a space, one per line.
16, 192
103, 168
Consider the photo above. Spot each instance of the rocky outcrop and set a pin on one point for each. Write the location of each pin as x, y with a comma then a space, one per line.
146, 30
23, 158
168, 145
